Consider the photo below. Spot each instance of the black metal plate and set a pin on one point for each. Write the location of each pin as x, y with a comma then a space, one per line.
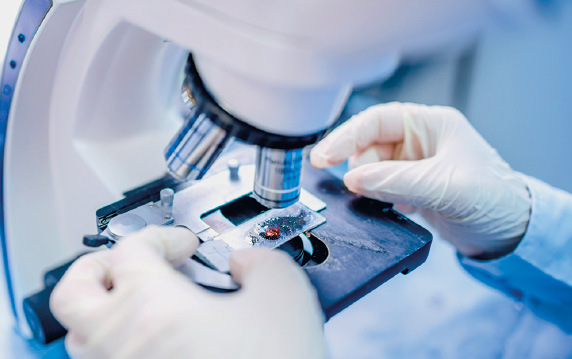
368, 243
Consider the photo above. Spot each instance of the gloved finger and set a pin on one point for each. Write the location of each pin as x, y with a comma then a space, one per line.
273, 284
412, 183
380, 124
269, 272
404, 208
76, 346
151, 253
373, 154
83, 288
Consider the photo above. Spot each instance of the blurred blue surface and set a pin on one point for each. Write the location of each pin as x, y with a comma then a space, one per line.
521, 94
439, 311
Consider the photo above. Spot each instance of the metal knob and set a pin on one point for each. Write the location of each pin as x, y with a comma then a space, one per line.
233, 166
125, 224
167, 198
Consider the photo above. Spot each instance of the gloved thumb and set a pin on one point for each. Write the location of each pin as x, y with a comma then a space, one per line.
271, 281
412, 183
269, 272
151, 252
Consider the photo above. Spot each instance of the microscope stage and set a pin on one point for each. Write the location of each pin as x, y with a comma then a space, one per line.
348, 244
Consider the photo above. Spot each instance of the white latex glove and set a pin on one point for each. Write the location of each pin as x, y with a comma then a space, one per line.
129, 302
433, 159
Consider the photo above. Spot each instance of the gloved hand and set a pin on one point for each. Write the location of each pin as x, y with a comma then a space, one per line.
129, 302
431, 158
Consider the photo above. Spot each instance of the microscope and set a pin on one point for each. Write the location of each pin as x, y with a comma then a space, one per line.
91, 97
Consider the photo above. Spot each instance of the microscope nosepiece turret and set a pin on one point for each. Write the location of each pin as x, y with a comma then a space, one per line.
210, 128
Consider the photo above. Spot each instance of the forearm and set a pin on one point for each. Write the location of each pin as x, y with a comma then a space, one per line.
539, 271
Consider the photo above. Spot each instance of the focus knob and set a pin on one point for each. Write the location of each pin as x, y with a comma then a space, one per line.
44, 326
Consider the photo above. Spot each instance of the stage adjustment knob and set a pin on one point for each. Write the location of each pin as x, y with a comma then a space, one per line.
44, 326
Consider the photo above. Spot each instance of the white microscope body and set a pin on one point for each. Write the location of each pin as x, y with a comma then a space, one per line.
96, 96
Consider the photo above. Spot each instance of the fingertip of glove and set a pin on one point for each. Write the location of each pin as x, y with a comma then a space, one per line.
319, 159
176, 244
242, 260
404, 208
246, 261
353, 180
181, 243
